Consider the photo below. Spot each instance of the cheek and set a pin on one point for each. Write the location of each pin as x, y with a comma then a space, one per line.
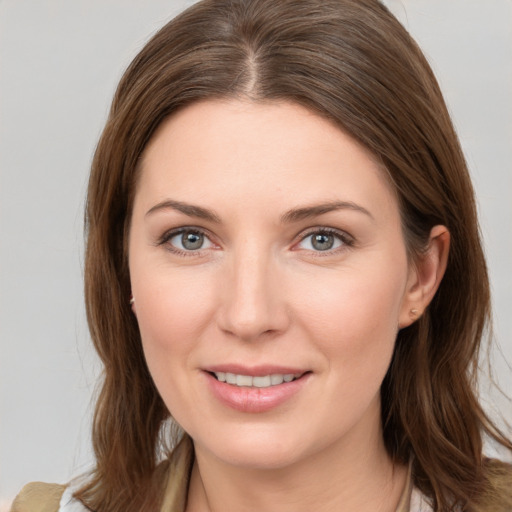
172, 311
353, 314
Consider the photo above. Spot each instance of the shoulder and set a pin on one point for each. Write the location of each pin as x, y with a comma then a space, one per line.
39, 497
419, 502
498, 498
43, 497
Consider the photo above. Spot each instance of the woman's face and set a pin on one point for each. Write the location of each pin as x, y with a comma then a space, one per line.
266, 245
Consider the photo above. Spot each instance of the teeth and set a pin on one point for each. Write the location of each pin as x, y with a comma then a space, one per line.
261, 382
243, 380
276, 379
264, 381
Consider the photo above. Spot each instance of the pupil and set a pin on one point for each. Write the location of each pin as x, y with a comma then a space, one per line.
323, 242
192, 241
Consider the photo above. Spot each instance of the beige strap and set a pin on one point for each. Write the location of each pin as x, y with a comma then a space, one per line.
38, 497
175, 496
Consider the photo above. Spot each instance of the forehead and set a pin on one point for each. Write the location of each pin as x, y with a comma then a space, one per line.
248, 152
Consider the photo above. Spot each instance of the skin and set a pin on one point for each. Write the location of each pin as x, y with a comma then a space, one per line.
259, 292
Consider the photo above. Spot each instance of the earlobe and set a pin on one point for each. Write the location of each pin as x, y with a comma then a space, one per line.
425, 276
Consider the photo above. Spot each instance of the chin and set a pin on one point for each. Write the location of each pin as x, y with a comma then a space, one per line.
256, 457
262, 449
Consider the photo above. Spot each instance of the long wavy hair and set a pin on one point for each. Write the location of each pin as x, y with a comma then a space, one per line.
349, 61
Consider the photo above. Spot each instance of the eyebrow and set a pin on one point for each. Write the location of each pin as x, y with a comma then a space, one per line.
291, 216
298, 214
187, 209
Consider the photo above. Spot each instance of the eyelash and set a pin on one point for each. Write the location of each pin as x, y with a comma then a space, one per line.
169, 235
346, 240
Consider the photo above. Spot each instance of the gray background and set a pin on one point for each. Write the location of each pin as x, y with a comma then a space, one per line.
59, 63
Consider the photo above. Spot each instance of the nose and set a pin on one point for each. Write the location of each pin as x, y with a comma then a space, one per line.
253, 304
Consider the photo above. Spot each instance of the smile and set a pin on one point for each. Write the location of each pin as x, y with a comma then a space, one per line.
264, 381
264, 390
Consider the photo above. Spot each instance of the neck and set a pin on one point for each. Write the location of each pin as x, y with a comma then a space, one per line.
346, 476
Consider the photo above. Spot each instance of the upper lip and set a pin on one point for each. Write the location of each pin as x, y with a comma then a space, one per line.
254, 371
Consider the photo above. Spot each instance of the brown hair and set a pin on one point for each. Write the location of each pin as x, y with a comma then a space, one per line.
352, 62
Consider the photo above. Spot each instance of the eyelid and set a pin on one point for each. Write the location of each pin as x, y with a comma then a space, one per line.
347, 240
171, 233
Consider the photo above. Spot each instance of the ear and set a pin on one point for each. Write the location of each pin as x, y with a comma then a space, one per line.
132, 305
425, 276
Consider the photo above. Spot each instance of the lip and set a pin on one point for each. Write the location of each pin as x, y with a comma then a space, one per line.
254, 371
252, 399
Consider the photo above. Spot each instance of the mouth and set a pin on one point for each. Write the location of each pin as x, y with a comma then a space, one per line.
255, 390
260, 381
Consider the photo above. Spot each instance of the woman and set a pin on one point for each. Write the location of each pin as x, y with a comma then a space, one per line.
283, 256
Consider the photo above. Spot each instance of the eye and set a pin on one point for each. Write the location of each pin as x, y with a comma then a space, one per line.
323, 240
187, 240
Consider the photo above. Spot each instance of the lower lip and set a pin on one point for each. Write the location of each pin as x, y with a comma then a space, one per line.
252, 399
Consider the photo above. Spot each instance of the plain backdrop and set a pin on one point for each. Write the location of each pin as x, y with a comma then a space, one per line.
60, 61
